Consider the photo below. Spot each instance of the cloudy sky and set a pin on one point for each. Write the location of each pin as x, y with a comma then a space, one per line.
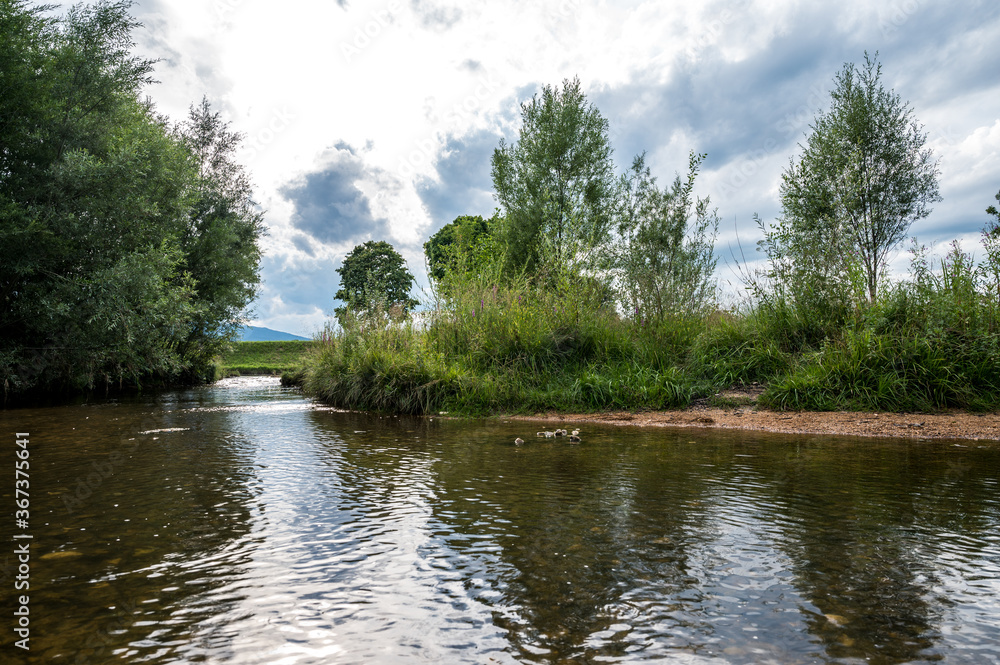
377, 120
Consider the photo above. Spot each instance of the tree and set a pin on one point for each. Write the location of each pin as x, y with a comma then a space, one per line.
456, 246
862, 180
374, 278
109, 267
556, 184
664, 258
25, 37
92, 190
994, 225
990, 268
219, 240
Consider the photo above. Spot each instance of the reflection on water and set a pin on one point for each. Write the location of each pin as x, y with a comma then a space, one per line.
241, 523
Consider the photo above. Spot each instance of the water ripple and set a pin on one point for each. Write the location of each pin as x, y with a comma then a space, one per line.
251, 526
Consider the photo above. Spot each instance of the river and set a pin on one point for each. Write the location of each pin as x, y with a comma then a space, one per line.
243, 523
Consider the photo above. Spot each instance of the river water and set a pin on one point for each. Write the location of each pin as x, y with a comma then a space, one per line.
243, 523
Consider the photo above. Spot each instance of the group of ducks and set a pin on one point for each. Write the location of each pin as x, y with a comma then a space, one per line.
574, 436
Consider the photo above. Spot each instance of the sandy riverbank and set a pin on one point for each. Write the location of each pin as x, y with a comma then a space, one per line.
949, 425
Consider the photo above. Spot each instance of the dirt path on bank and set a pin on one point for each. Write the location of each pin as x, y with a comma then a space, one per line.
947, 425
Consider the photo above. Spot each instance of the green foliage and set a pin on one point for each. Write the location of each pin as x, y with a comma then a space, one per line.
994, 226
555, 185
100, 282
374, 280
25, 37
219, 240
873, 372
739, 351
862, 180
378, 368
663, 260
522, 326
932, 343
990, 268
462, 246
561, 203
808, 277
517, 347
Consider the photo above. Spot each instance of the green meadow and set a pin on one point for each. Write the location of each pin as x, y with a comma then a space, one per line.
264, 357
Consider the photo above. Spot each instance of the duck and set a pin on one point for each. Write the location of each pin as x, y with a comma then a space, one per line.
575, 432
518, 441
573, 438
560, 432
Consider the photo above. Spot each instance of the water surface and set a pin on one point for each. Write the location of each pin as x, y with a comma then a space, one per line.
242, 523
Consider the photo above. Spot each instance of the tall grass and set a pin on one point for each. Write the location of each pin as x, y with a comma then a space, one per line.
515, 348
932, 342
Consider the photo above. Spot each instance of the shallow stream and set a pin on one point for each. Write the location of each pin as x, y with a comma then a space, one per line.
243, 523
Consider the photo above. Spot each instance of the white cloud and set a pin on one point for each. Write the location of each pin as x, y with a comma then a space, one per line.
406, 83
974, 158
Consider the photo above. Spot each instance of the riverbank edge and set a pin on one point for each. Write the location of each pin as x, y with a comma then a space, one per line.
921, 426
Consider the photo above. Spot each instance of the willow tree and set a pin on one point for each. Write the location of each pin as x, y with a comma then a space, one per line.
663, 258
556, 184
219, 239
863, 178
123, 259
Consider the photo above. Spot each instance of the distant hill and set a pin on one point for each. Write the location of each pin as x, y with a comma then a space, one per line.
258, 334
